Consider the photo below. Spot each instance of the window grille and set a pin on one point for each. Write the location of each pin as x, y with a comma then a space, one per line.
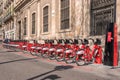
65, 14
25, 26
33, 23
45, 19
102, 13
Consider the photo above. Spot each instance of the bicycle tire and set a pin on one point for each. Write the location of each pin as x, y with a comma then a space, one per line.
58, 57
51, 56
69, 59
44, 55
33, 53
78, 60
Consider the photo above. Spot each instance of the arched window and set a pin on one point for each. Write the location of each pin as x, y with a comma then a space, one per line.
45, 18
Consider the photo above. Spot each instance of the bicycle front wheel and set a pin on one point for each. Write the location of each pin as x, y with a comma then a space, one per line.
79, 60
69, 58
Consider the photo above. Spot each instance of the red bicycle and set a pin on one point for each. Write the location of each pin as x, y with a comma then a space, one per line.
45, 48
69, 53
59, 54
97, 52
52, 49
82, 56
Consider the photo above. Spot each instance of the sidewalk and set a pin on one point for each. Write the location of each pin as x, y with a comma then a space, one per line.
98, 69
104, 70
0, 45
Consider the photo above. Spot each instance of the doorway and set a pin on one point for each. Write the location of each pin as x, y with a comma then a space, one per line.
103, 12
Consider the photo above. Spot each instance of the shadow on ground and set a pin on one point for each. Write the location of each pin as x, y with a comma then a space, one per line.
115, 67
9, 51
52, 77
12, 51
17, 60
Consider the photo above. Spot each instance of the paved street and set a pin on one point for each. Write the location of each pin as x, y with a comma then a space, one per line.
19, 66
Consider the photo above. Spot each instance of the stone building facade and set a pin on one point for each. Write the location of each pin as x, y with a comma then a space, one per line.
73, 24
1, 17
8, 19
50, 19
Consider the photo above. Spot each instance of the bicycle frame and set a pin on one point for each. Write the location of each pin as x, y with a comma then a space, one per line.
97, 52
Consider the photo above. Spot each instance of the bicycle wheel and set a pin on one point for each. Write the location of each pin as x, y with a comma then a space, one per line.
33, 53
51, 56
38, 53
79, 60
25, 50
69, 58
44, 54
59, 57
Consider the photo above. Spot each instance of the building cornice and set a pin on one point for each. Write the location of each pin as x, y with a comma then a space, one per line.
21, 4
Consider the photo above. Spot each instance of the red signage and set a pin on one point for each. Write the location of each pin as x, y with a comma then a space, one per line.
109, 36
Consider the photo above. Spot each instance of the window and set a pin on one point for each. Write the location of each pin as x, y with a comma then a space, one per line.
64, 14
33, 23
45, 19
25, 26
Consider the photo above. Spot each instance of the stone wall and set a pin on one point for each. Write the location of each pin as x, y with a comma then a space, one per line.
79, 19
82, 13
118, 17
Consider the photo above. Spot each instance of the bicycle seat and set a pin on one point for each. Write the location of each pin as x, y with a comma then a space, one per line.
46, 41
85, 41
60, 41
76, 41
51, 41
67, 41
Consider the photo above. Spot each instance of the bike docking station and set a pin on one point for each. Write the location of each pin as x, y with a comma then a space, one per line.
111, 56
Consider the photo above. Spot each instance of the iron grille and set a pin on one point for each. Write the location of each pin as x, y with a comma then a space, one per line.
65, 14
25, 25
102, 13
33, 23
45, 18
